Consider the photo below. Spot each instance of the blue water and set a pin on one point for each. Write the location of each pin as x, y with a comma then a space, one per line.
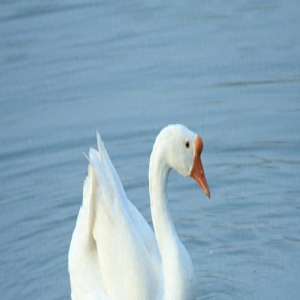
228, 70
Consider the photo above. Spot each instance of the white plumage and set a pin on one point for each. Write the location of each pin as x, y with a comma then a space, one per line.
114, 253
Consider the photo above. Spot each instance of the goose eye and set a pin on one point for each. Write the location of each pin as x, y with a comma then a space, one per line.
187, 144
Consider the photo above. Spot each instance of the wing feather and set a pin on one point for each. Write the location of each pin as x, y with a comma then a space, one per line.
112, 242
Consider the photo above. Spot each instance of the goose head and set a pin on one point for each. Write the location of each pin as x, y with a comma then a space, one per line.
183, 150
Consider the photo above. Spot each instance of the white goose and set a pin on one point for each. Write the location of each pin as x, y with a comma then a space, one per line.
114, 253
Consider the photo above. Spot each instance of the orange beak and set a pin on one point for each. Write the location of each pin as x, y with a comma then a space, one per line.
197, 171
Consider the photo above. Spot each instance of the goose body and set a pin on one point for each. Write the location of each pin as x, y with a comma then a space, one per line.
114, 253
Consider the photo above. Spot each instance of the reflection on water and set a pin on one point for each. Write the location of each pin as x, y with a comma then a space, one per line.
227, 70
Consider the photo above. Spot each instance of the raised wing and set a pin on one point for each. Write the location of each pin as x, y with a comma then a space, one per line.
112, 238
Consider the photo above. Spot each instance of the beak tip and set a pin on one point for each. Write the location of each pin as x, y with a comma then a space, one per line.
207, 193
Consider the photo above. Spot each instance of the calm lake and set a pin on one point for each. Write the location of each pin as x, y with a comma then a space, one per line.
229, 70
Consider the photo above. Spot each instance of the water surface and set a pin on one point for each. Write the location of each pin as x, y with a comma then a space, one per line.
230, 71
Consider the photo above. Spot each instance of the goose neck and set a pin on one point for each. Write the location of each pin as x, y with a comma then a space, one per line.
162, 222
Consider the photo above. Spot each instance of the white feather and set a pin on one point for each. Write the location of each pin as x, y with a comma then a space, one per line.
114, 253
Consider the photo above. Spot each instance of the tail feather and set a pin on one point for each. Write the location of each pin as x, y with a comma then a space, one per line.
92, 198
99, 143
110, 170
104, 188
86, 156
